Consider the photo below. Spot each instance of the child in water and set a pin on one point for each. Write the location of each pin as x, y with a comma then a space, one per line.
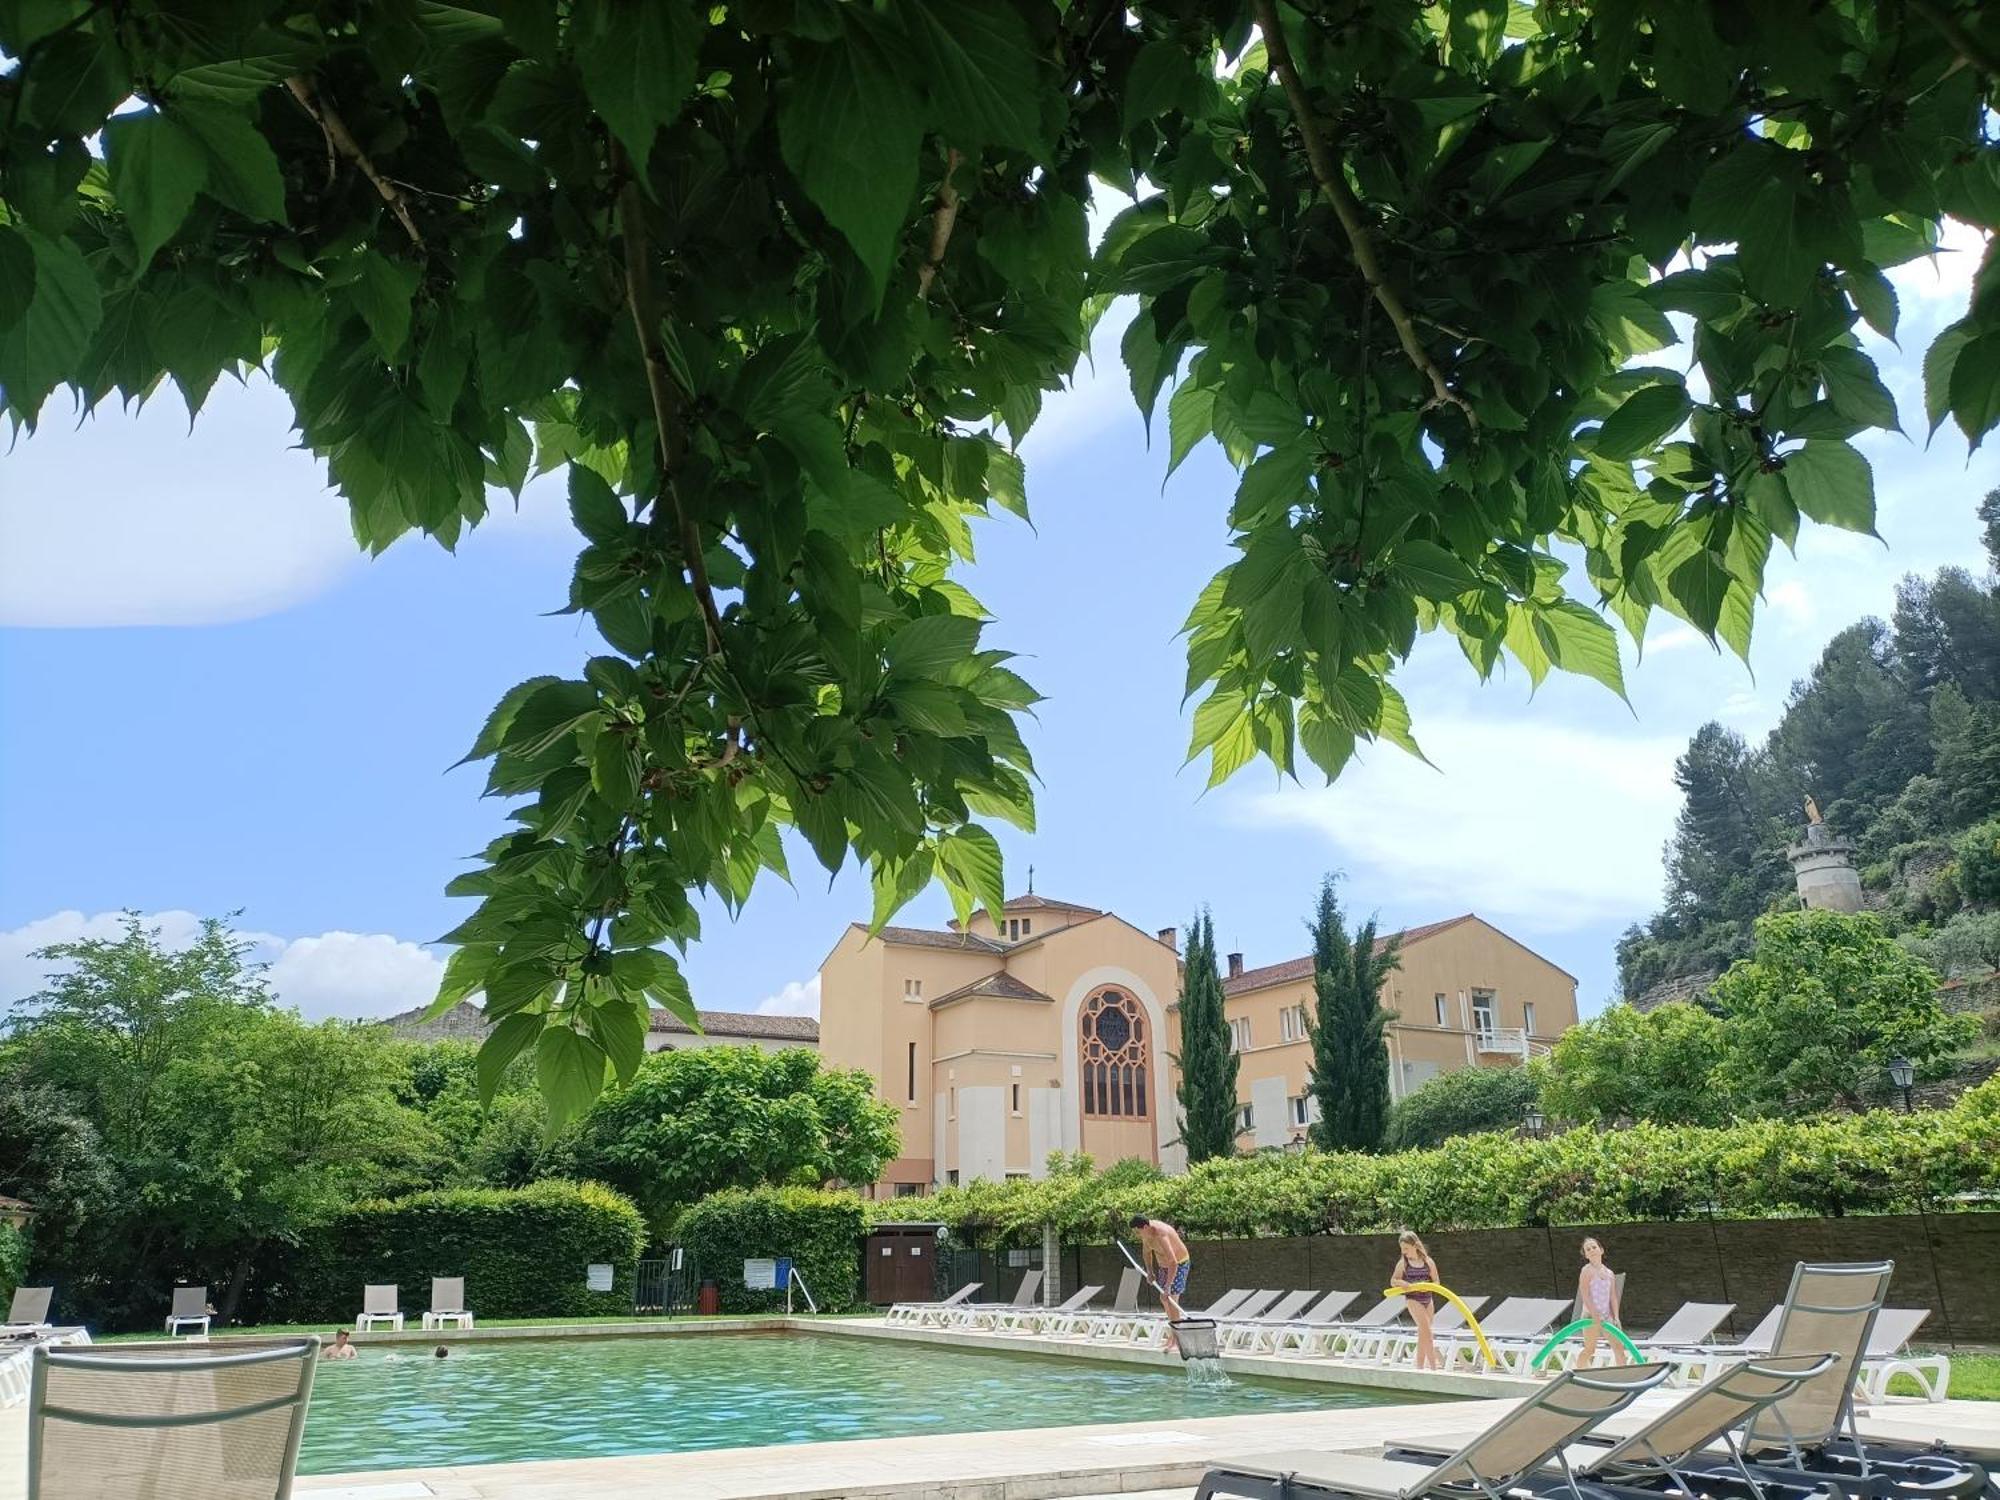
1597, 1299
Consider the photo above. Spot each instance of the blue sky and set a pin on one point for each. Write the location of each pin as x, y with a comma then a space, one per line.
209, 701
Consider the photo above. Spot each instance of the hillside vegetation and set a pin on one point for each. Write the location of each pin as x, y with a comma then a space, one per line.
1896, 735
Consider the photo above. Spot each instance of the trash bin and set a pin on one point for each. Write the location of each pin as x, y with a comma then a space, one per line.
708, 1302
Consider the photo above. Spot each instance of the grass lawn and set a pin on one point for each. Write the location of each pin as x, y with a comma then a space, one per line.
1974, 1377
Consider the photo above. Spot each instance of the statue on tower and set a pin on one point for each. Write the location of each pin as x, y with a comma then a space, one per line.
1824, 866
1818, 835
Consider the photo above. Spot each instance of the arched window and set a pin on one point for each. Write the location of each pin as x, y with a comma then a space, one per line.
1114, 1056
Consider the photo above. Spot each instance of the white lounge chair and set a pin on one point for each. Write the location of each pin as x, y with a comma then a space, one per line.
1032, 1320
447, 1304
977, 1315
1887, 1357
1118, 1321
1394, 1343
1230, 1332
378, 1305
190, 1309
1515, 1332
1517, 1445
29, 1310
1334, 1339
1700, 1361
164, 1419
1258, 1335
1280, 1339
1150, 1324
923, 1312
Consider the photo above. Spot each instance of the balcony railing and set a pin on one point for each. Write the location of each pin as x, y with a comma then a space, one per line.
1510, 1040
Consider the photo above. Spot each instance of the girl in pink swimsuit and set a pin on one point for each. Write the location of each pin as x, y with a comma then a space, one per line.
1597, 1299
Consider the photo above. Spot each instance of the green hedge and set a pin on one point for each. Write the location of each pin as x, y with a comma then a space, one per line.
522, 1252
1882, 1162
820, 1231
13, 1261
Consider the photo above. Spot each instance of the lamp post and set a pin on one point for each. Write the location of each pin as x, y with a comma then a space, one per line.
1903, 1074
1534, 1122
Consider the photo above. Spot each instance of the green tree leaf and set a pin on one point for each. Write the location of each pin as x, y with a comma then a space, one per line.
637, 60
242, 169
570, 1067
1975, 387
156, 169
1645, 417
1939, 362
1831, 482
982, 70
851, 130
1584, 642
971, 856
512, 1036
17, 276
382, 293
55, 330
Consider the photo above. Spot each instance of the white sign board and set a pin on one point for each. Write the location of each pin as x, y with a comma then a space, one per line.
760, 1275
597, 1278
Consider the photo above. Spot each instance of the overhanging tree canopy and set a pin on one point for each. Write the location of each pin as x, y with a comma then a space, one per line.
781, 283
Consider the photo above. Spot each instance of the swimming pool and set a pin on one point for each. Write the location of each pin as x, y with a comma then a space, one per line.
501, 1402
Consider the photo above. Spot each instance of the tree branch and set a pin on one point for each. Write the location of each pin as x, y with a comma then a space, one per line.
1347, 208
1964, 43
942, 221
660, 387
340, 138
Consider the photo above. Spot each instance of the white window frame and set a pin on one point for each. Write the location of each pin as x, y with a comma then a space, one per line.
1301, 1105
1486, 1005
1528, 1017
913, 990
1292, 1023
1239, 1034
1246, 1118
1441, 1004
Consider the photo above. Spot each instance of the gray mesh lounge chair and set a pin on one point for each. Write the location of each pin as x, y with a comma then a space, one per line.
1231, 1331
1679, 1438
1830, 1309
447, 1303
1396, 1342
170, 1422
1118, 1321
1537, 1430
190, 1308
1322, 1314
29, 1310
919, 1312
982, 1314
1692, 1323
378, 1305
1149, 1324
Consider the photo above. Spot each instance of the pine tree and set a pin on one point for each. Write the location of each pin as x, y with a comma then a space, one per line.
1207, 1065
1350, 1066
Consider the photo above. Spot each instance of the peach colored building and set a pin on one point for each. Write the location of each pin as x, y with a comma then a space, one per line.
1050, 1028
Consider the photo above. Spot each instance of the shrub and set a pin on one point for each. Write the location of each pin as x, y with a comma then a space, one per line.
820, 1231
1466, 1102
522, 1252
1978, 852
1880, 1162
13, 1260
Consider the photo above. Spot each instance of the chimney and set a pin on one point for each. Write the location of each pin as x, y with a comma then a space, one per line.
1171, 937
1235, 965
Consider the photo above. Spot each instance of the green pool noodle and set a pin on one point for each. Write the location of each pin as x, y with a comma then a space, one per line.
1577, 1327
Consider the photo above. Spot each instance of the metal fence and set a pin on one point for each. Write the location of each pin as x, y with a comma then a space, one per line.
667, 1285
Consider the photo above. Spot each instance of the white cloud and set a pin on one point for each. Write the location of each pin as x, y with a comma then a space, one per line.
795, 999
133, 518
357, 976
1488, 829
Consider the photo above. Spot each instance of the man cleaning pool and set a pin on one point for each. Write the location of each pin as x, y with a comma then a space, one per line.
1166, 1258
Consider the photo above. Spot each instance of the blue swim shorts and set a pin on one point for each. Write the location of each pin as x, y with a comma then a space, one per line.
1177, 1283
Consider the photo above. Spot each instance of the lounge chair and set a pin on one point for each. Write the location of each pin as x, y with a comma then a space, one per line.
1395, 1342
1698, 1362
29, 1312
1261, 1335
919, 1312
1669, 1444
1515, 1332
1887, 1357
1690, 1325
1120, 1319
447, 1303
163, 1419
1334, 1339
378, 1305
1150, 1324
1517, 1445
1032, 1320
190, 1308
1231, 1331
981, 1314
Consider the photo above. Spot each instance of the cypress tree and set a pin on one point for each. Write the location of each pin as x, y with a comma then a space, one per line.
1207, 1066
1350, 1066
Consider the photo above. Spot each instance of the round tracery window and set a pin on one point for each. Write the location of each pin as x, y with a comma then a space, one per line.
1113, 1056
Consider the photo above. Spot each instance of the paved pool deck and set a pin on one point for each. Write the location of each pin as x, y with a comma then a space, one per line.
1160, 1460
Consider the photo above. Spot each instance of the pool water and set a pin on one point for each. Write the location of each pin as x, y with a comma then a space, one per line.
586, 1398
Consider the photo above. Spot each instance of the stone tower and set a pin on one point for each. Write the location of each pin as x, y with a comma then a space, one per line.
1823, 865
